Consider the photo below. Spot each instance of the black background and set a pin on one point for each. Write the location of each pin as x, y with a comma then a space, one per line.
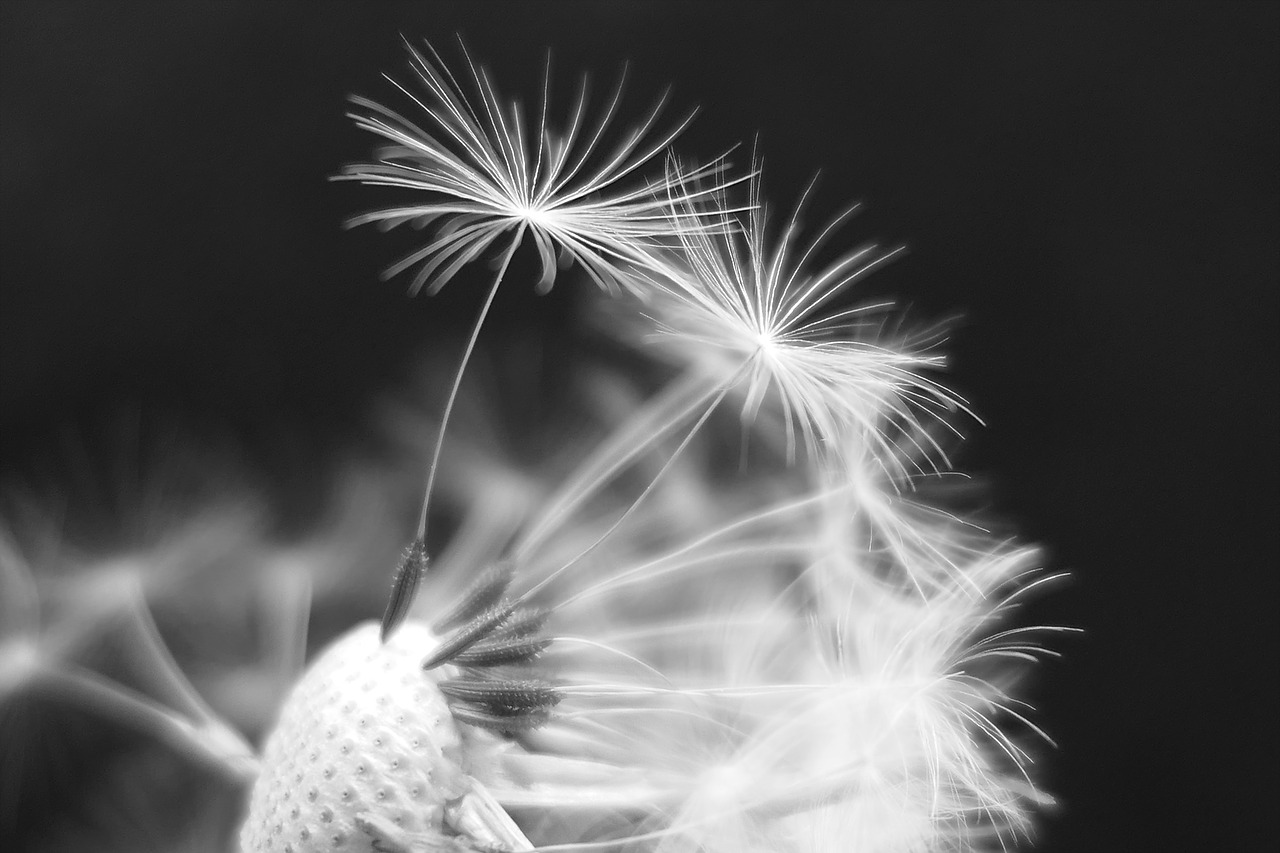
1092, 186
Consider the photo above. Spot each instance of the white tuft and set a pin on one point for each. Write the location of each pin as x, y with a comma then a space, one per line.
484, 171
746, 307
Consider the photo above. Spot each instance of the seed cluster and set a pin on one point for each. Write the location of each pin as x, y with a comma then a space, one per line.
495, 640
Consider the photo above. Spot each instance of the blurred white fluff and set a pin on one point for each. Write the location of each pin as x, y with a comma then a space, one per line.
801, 663
758, 658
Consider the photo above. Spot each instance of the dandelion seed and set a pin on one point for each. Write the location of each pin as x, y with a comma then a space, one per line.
503, 651
486, 591
745, 300
484, 174
404, 587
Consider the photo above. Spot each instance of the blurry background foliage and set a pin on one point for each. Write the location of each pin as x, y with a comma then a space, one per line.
1091, 186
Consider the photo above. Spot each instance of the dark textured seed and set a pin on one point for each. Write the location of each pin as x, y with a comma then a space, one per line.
470, 634
487, 589
522, 622
405, 587
506, 723
502, 696
496, 652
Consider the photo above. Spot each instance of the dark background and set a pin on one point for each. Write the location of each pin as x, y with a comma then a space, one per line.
1092, 186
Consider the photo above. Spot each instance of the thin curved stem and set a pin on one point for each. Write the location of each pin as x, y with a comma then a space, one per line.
457, 380
675, 454
655, 420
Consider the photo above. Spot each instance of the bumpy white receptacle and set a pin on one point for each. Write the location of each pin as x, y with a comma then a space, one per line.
365, 738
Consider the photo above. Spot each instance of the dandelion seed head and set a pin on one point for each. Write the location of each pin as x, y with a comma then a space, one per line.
800, 658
